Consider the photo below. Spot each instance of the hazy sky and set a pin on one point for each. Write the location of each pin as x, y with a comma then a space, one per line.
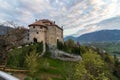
77, 16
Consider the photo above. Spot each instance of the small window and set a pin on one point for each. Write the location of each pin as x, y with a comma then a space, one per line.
40, 27
28, 39
37, 32
33, 26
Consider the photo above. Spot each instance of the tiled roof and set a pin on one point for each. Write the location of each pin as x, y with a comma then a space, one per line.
37, 23
43, 23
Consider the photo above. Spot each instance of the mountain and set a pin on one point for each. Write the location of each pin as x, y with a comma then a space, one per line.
99, 36
70, 37
4, 29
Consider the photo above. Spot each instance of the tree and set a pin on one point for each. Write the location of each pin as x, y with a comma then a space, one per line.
5, 46
68, 71
32, 62
70, 43
12, 38
92, 67
2, 51
60, 45
15, 36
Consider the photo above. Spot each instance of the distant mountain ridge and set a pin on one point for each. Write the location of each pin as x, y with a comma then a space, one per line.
98, 36
4, 29
70, 37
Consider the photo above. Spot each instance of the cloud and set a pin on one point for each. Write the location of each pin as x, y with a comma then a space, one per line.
77, 16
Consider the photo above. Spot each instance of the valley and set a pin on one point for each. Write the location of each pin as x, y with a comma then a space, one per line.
112, 48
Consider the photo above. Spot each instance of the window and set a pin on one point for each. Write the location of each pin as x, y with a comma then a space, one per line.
33, 26
37, 32
40, 27
28, 38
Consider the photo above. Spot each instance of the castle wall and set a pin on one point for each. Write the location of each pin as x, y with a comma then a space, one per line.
51, 37
59, 34
49, 32
53, 34
37, 32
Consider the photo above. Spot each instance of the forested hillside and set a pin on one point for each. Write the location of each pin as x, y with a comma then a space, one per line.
94, 65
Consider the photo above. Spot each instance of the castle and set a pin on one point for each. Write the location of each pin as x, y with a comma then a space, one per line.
46, 31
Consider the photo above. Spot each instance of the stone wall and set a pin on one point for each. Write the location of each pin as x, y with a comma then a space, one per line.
61, 55
49, 32
51, 35
59, 34
37, 32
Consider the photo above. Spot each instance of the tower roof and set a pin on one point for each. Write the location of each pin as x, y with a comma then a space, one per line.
45, 23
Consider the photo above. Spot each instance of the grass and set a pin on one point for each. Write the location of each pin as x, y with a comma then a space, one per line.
56, 68
48, 69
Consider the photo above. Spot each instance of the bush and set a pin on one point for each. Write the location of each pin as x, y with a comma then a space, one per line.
32, 62
16, 57
46, 65
69, 47
39, 47
92, 67
27, 78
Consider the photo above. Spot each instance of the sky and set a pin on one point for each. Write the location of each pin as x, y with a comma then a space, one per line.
76, 16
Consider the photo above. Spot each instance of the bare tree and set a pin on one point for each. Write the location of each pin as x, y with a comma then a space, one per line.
12, 38
16, 36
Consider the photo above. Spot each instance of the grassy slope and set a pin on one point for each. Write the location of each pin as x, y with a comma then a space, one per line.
55, 70
48, 68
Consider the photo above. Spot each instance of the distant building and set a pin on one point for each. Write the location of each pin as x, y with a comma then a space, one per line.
46, 31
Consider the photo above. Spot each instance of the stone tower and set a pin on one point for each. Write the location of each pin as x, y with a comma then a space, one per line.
46, 31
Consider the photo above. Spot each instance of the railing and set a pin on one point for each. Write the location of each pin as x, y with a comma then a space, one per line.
3, 68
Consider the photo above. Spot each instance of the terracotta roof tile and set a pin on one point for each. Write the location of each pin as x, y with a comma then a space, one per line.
37, 23
45, 23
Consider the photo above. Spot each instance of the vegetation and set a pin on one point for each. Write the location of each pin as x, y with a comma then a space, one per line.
17, 56
94, 65
110, 47
69, 46
32, 62
11, 39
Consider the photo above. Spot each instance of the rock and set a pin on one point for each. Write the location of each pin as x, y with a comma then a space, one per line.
61, 55
26, 45
19, 47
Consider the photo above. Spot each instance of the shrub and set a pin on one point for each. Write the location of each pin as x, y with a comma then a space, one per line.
32, 62
46, 65
16, 57
92, 67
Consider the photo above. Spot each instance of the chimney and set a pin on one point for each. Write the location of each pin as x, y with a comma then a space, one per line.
62, 27
54, 22
35, 20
